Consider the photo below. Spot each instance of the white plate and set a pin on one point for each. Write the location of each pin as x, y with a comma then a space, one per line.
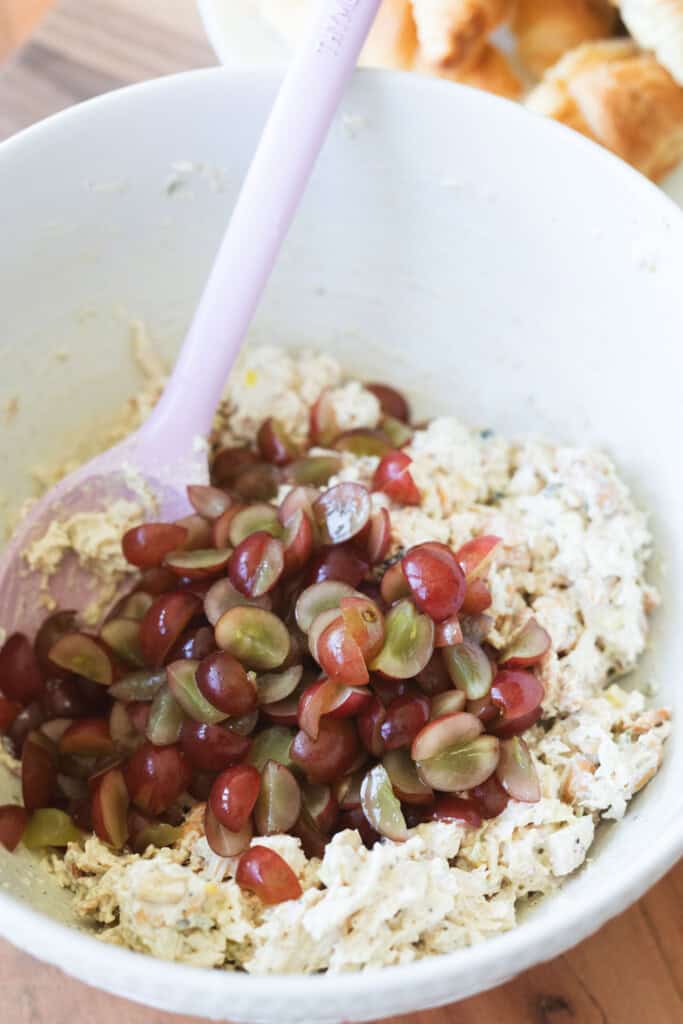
241, 38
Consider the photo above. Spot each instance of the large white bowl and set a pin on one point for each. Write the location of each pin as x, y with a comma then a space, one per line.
494, 264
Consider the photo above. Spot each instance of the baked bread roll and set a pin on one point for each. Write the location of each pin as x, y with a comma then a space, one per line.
547, 29
392, 42
619, 97
492, 72
454, 33
657, 25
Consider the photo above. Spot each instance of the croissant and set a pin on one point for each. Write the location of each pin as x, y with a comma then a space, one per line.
620, 97
454, 33
547, 29
657, 25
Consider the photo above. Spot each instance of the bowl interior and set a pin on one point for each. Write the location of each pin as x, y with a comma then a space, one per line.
494, 265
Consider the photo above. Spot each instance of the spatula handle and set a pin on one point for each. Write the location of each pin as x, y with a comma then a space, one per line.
275, 184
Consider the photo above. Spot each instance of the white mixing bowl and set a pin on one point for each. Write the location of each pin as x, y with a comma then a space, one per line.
493, 264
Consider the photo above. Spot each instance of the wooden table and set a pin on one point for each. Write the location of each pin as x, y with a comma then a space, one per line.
631, 972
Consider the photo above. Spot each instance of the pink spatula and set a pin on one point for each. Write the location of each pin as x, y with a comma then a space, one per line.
163, 456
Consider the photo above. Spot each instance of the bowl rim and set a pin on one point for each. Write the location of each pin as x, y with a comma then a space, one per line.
532, 941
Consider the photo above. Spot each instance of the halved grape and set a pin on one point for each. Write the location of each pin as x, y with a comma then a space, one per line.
222, 841
20, 673
448, 703
38, 771
339, 655
142, 685
165, 719
211, 748
315, 701
122, 636
434, 678
469, 668
285, 711
320, 805
259, 482
330, 755
197, 643
233, 796
222, 596
29, 718
203, 563
527, 648
297, 541
255, 637
52, 628
134, 606
370, 722
455, 808
405, 717
405, 782
318, 627
162, 625
342, 512
347, 790
378, 541
157, 834
516, 771
518, 695
223, 682
199, 534
228, 463
324, 425
448, 633
156, 581
109, 808
391, 401
341, 564
476, 627
389, 689
9, 710
362, 442
156, 777
477, 598
146, 546
273, 744
275, 444
258, 518
444, 733
55, 728
124, 730
476, 555
276, 686
13, 822
318, 598
436, 580
264, 872
356, 821
182, 682
462, 765
208, 502
398, 433
381, 806
89, 737
84, 656
257, 564
314, 470
279, 802
364, 622
394, 478
408, 644
394, 585
49, 826
299, 499
220, 528
489, 798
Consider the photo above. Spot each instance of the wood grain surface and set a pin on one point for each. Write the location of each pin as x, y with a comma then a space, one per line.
631, 972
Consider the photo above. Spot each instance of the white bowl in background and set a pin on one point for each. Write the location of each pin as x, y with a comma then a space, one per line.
494, 264
241, 38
